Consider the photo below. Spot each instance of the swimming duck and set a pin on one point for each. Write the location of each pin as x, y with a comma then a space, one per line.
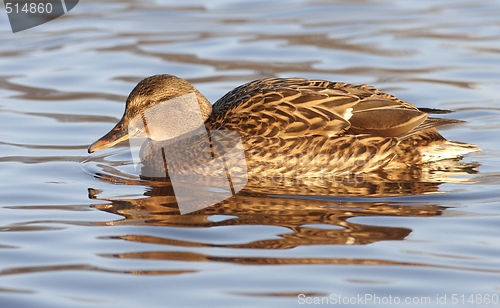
319, 126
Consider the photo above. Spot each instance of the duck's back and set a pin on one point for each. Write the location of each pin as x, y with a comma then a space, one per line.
292, 107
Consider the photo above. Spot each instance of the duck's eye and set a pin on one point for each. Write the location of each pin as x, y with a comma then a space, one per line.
149, 103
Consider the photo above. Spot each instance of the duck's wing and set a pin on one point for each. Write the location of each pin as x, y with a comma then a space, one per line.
289, 107
381, 114
284, 108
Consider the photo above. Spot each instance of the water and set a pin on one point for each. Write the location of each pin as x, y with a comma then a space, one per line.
81, 230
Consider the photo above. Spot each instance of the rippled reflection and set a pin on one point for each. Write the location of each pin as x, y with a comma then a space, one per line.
309, 221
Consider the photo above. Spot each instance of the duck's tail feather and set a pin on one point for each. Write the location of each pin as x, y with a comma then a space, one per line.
428, 124
446, 150
435, 110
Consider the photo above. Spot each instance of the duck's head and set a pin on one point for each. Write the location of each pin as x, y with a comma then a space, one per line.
159, 107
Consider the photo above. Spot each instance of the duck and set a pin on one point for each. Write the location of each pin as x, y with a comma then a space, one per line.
293, 127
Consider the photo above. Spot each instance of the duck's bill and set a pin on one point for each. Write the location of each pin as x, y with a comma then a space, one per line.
115, 136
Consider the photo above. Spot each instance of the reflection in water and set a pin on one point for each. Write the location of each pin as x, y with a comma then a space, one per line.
313, 214
309, 221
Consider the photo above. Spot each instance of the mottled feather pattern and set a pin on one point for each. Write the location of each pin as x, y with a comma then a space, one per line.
298, 107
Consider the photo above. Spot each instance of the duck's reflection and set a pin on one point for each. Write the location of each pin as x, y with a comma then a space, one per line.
309, 221
304, 215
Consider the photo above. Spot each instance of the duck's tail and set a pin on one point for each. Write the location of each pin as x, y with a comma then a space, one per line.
446, 150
